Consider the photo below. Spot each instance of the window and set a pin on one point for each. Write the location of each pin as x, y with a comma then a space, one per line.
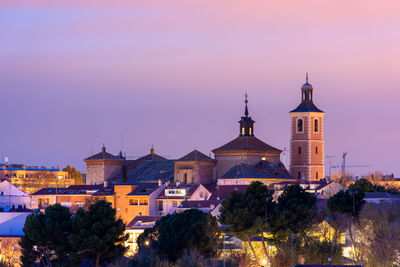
300, 125
160, 205
201, 194
118, 210
316, 150
242, 130
299, 149
316, 125
299, 175
185, 178
316, 175
118, 196
174, 204
250, 130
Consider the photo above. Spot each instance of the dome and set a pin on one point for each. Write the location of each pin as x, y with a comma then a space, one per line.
306, 86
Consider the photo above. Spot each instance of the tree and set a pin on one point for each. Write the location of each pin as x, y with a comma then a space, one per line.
74, 174
173, 234
365, 185
342, 178
97, 235
348, 202
379, 232
45, 237
294, 214
244, 214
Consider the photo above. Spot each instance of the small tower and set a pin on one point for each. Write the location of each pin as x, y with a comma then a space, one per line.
102, 166
307, 139
246, 123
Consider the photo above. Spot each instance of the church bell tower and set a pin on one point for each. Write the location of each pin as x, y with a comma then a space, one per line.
307, 139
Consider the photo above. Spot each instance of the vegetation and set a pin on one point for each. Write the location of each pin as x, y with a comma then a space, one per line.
244, 214
74, 174
174, 234
56, 238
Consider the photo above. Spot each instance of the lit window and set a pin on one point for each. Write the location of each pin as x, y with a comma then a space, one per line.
299, 125
242, 130
250, 130
316, 125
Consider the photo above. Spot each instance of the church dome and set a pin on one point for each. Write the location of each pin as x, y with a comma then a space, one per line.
307, 86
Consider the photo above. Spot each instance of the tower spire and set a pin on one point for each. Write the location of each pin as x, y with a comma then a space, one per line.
306, 77
246, 111
246, 123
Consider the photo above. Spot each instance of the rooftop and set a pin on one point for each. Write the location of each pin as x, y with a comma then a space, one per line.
242, 143
195, 155
262, 170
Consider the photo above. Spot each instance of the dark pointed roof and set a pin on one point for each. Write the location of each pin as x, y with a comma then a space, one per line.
195, 155
307, 107
242, 143
104, 155
262, 170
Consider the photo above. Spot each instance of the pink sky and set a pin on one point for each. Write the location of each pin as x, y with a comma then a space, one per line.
75, 74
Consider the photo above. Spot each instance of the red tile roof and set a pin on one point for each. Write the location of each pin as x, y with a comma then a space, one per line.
246, 143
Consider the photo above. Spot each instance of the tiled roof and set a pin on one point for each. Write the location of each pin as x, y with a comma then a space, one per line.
195, 155
85, 187
144, 189
149, 171
246, 143
262, 170
49, 191
103, 155
142, 219
151, 156
223, 191
71, 190
307, 106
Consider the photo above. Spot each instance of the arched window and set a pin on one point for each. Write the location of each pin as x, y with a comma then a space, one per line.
316, 150
316, 125
250, 130
299, 125
299, 149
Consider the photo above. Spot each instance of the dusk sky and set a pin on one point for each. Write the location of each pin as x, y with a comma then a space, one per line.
77, 74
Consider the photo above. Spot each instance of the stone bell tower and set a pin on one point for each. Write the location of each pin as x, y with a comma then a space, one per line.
307, 139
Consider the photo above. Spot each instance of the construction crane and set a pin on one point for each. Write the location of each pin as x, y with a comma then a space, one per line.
343, 166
